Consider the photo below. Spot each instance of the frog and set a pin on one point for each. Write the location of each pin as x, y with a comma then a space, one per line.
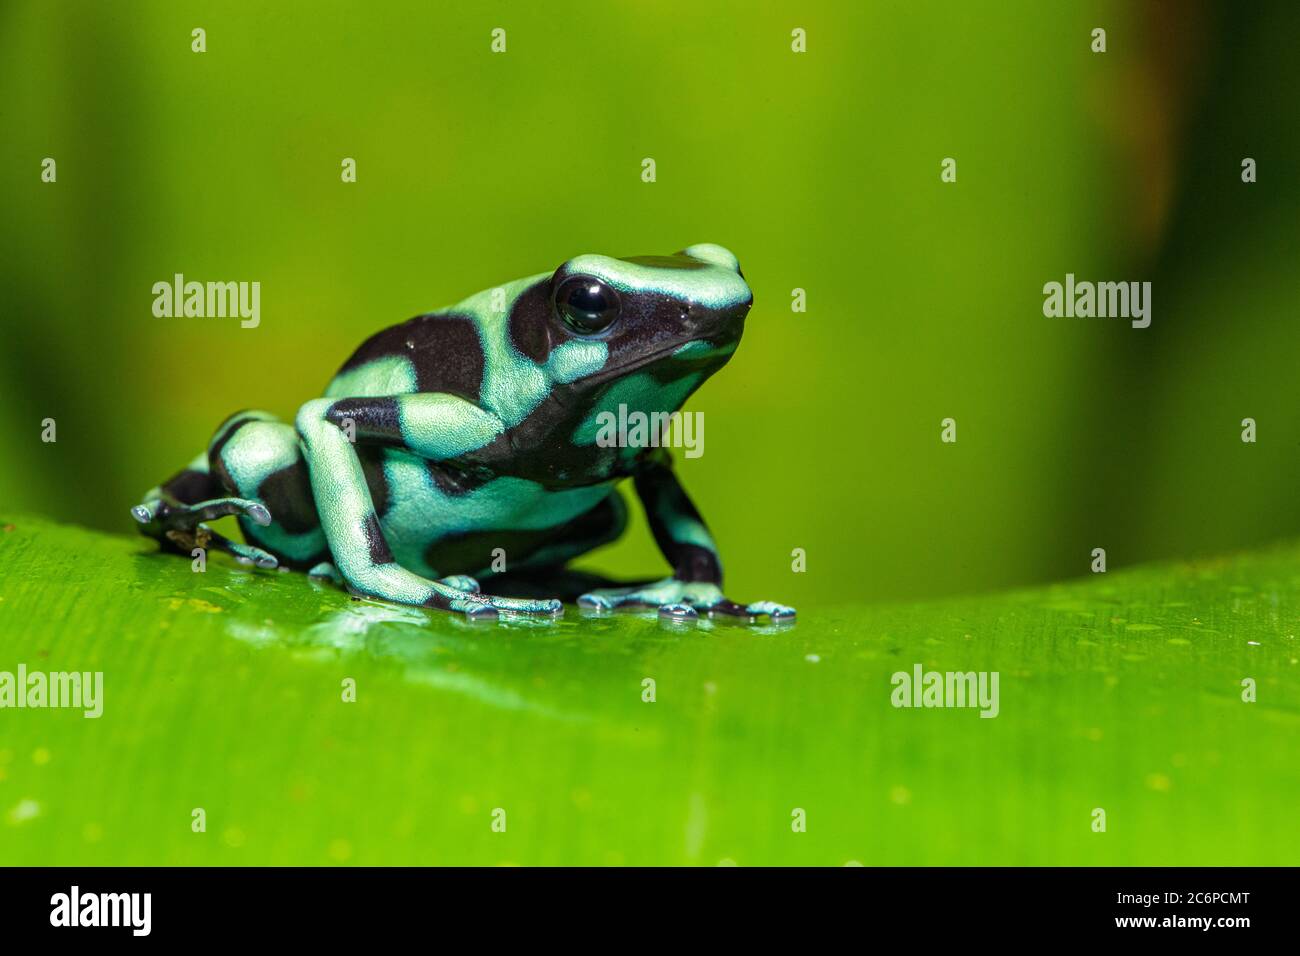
462, 448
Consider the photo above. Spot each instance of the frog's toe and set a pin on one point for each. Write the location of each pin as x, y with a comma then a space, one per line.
204, 537
547, 606
481, 612
471, 602
777, 613
678, 612
594, 601
259, 513
754, 611
461, 582
655, 595
142, 514
245, 553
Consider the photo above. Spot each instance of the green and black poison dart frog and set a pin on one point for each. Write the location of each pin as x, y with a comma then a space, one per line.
470, 434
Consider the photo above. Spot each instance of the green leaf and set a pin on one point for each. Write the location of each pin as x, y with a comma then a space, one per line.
224, 691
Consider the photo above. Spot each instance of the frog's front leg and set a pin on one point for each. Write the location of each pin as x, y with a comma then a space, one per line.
431, 425
696, 584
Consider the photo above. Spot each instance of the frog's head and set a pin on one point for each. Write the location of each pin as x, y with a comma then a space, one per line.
609, 337
672, 315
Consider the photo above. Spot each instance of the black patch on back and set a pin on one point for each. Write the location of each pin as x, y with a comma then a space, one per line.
530, 328
444, 348
287, 495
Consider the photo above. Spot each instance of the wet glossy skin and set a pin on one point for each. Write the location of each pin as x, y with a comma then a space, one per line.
462, 444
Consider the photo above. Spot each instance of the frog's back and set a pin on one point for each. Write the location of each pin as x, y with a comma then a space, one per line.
443, 351
435, 352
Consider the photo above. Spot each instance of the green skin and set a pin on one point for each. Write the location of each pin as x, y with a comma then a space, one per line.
471, 434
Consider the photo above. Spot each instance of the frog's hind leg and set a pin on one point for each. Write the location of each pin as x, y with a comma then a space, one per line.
253, 469
257, 459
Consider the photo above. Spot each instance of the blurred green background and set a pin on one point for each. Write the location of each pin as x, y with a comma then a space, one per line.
820, 170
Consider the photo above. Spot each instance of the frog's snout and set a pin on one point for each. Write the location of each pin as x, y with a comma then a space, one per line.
742, 307
722, 322
733, 314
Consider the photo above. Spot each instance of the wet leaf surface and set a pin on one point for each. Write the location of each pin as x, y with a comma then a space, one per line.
224, 691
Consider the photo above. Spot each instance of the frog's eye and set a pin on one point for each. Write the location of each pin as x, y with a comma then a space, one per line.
587, 305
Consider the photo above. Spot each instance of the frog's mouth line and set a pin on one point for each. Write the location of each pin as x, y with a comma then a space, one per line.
715, 357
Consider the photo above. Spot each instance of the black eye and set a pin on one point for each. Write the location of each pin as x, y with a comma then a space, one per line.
587, 305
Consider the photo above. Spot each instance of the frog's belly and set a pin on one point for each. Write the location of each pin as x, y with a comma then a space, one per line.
435, 533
